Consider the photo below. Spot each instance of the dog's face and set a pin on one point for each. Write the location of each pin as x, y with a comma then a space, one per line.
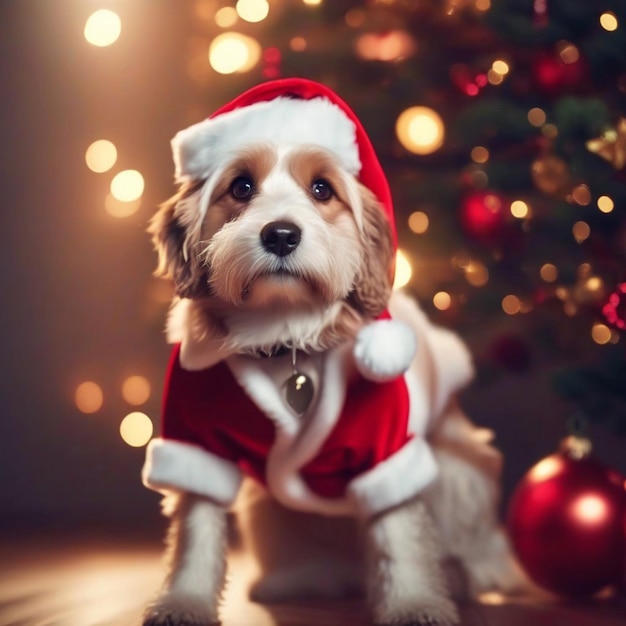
284, 230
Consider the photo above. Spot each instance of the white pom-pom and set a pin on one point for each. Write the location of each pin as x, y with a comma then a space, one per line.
384, 349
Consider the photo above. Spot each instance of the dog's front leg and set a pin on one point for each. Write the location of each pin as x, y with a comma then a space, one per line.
197, 563
406, 585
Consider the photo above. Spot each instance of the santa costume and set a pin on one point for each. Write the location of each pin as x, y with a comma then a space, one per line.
361, 446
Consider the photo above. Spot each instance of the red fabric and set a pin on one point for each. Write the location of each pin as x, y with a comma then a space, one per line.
371, 174
210, 410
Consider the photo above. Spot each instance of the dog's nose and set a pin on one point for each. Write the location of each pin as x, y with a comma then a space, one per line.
280, 238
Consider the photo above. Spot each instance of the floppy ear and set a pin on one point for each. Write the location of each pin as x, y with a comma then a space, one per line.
176, 235
373, 283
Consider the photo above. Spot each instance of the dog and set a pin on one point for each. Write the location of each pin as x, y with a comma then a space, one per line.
299, 368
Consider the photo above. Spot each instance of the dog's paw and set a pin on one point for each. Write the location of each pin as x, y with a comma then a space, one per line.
179, 610
384, 349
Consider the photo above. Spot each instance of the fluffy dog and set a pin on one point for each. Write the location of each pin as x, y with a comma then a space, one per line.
297, 366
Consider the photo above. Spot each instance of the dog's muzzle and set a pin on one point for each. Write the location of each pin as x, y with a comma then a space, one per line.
280, 238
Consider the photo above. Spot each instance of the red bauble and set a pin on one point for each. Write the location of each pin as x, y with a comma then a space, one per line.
559, 72
566, 523
483, 215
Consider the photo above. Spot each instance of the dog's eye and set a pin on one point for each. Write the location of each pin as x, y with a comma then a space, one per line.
242, 188
322, 190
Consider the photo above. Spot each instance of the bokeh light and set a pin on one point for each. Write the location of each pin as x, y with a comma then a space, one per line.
511, 304
537, 117
479, 154
127, 186
119, 208
136, 390
404, 271
418, 222
252, 10
226, 17
606, 204
88, 397
581, 195
442, 300
549, 272
476, 274
233, 52
312, 2
420, 130
581, 231
136, 429
608, 21
391, 46
101, 156
601, 333
103, 28
297, 44
520, 209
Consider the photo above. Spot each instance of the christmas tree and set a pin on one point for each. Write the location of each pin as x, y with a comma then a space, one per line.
499, 125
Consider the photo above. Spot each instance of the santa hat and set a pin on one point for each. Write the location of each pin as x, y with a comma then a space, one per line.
286, 112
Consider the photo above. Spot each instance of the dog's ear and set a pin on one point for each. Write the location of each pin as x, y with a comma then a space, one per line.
176, 238
373, 283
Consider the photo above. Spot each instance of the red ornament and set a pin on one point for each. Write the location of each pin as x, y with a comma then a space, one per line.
483, 215
562, 70
614, 310
566, 522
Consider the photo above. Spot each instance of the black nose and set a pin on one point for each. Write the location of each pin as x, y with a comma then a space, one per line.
280, 238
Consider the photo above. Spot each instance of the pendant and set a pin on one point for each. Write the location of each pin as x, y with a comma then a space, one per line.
299, 392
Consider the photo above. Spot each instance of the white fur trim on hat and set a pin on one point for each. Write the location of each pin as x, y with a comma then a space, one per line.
174, 465
394, 481
206, 146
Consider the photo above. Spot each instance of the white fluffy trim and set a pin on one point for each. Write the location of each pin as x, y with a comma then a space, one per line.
202, 148
394, 481
173, 465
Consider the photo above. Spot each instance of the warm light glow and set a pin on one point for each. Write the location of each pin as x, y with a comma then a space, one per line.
100, 156
493, 598
420, 130
605, 204
537, 117
568, 52
355, 18
595, 284
136, 429
118, 208
549, 272
494, 78
312, 2
550, 131
476, 274
298, 44
233, 52
442, 300
480, 154
103, 28
403, 270
519, 209
88, 397
545, 469
608, 21
418, 222
482, 5
601, 333
581, 231
391, 46
590, 509
511, 304
127, 186
253, 10
226, 17
136, 390
581, 195
500, 67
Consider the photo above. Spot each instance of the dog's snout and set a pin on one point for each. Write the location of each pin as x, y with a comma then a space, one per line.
280, 238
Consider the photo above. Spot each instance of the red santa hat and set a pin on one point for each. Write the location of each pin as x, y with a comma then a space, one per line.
286, 112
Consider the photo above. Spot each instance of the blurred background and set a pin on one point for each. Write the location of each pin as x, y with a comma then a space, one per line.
500, 125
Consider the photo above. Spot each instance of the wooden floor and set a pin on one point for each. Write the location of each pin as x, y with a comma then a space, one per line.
89, 580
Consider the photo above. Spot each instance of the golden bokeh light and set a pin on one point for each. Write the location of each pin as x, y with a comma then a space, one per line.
606, 204
581, 195
500, 67
226, 17
101, 156
136, 429
520, 209
480, 154
601, 333
312, 2
252, 10
420, 130
297, 44
355, 18
476, 274
511, 304
136, 390
404, 271
537, 117
103, 28
88, 397
482, 5
233, 52
418, 222
608, 21
127, 186
119, 208
442, 300
581, 231
549, 272
550, 131
568, 52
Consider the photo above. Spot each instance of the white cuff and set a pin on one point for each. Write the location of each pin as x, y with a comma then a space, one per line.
182, 466
395, 480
